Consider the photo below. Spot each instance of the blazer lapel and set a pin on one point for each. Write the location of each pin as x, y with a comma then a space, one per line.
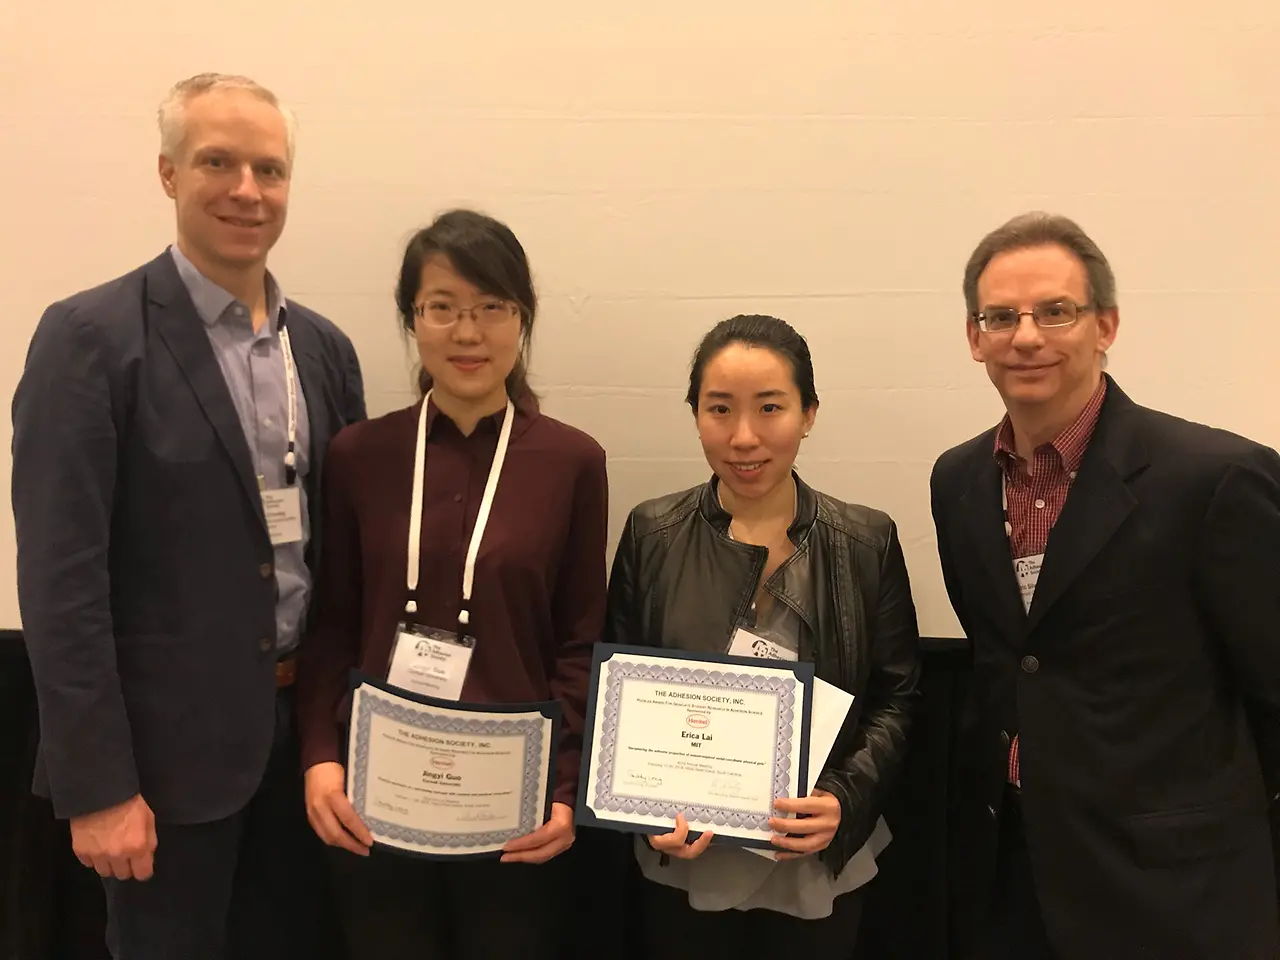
312, 380
1097, 505
181, 329
983, 523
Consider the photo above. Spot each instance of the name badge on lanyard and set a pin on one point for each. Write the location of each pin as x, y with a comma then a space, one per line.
748, 644
431, 660
282, 508
1026, 569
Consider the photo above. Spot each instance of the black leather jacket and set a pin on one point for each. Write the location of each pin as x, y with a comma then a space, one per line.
680, 581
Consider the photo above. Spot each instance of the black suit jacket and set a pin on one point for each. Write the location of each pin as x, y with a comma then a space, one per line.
1144, 683
145, 576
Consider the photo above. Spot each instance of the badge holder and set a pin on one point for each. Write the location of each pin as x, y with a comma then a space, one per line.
749, 643
429, 660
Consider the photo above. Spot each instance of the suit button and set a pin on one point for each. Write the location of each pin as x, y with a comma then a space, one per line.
1004, 737
265, 570
265, 644
991, 811
1030, 664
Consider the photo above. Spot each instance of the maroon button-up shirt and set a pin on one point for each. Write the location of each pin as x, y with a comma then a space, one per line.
1036, 495
538, 601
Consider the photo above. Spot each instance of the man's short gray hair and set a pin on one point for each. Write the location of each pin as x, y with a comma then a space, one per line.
1038, 229
172, 113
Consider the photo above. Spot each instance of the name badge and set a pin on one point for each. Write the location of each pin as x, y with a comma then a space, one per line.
1027, 570
431, 662
283, 510
747, 644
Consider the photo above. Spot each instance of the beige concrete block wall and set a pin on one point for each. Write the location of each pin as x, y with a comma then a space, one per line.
667, 164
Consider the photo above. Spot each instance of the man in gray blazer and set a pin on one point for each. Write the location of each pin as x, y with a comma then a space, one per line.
170, 430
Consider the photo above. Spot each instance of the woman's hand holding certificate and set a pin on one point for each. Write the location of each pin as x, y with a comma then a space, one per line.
676, 844
550, 840
816, 819
330, 813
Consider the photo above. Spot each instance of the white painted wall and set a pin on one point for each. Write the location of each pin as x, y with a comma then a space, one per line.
667, 164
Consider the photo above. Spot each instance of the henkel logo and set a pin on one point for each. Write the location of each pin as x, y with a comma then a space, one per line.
698, 720
441, 762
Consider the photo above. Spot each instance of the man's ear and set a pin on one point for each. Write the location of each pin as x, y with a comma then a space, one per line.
167, 169
974, 336
1108, 327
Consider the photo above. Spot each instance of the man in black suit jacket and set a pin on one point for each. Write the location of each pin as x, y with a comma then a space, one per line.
1120, 743
170, 430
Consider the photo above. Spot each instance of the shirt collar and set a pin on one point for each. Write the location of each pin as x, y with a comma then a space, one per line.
490, 424
212, 301
1070, 445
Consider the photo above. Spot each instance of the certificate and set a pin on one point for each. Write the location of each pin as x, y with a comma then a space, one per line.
716, 738
446, 779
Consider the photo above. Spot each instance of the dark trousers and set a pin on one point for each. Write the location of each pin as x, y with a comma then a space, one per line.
247, 887
398, 906
50, 906
1015, 926
604, 897
673, 930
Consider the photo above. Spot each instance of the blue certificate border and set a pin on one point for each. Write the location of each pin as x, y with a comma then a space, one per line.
531, 817
700, 669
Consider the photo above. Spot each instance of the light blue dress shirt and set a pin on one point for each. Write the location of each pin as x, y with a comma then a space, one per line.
253, 367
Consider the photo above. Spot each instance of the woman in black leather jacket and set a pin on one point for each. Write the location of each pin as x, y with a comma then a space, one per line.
756, 562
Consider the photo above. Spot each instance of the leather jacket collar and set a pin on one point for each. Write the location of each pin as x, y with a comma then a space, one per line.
806, 509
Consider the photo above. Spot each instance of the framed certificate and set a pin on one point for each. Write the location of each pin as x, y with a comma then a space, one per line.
717, 738
442, 779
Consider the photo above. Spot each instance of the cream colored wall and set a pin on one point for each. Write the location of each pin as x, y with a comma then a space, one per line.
667, 164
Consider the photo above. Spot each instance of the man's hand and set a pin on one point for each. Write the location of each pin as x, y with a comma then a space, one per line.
817, 826
118, 842
552, 838
330, 813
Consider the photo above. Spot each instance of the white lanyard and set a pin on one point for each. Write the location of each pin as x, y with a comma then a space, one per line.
482, 518
1004, 503
291, 388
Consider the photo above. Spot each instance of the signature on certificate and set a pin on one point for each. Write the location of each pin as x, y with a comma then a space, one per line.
385, 805
478, 816
643, 779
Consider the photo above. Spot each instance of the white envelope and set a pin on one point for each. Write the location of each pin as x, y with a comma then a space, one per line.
830, 707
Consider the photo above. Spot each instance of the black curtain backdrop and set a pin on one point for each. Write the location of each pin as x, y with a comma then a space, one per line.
51, 907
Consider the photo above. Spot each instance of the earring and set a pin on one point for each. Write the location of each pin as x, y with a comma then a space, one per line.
806, 435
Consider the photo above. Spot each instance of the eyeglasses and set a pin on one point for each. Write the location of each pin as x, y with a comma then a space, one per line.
487, 313
1060, 313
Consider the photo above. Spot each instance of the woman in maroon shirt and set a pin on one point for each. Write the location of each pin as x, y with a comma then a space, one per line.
535, 608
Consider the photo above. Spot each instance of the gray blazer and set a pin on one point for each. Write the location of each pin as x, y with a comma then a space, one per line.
145, 576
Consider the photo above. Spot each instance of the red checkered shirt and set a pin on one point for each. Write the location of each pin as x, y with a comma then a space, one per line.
1036, 496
